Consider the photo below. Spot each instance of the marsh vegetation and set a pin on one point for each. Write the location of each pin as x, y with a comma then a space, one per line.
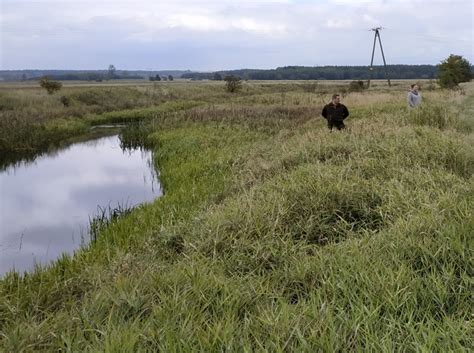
272, 235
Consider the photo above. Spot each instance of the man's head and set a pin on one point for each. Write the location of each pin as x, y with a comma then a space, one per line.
336, 98
414, 87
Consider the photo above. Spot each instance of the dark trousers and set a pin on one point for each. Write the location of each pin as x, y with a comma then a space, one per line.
338, 124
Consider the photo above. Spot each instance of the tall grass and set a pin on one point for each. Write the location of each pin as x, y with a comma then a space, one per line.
105, 217
275, 235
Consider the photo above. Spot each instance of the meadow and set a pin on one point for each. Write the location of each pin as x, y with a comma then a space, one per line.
273, 235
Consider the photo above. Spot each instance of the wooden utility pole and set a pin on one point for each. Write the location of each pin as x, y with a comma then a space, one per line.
377, 35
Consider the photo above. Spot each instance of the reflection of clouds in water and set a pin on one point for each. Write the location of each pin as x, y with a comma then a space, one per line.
113, 194
52, 199
40, 245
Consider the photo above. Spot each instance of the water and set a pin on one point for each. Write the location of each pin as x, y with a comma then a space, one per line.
45, 206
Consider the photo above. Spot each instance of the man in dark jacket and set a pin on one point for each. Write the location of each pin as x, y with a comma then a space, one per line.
335, 113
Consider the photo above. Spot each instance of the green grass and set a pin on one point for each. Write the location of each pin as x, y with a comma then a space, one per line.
275, 235
24, 139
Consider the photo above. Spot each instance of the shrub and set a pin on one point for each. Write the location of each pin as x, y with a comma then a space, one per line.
454, 70
49, 85
65, 101
356, 86
233, 83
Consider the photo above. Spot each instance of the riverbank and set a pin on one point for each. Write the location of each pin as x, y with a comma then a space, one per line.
274, 234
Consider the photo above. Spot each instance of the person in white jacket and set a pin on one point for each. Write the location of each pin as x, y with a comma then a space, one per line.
414, 97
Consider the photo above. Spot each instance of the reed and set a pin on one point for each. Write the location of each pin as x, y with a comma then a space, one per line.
274, 234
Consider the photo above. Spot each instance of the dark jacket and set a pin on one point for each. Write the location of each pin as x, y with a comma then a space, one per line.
333, 112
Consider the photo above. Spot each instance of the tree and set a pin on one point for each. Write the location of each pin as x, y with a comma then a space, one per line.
217, 77
454, 70
111, 71
49, 85
232, 83
170, 78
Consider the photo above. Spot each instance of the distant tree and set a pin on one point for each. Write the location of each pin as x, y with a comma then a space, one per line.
111, 71
170, 78
454, 70
157, 77
23, 77
322, 73
49, 85
217, 76
232, 83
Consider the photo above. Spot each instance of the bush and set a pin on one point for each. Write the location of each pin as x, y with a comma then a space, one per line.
233, 83
454, 70
65, 101
49, 85
356, 86
155, 78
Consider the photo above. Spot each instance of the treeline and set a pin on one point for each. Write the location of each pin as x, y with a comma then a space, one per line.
87, 76
280, 73
84, 75
323, 73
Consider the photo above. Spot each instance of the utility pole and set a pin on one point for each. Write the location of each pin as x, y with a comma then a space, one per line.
377, 35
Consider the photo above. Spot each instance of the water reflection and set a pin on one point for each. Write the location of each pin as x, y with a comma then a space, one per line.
45, 206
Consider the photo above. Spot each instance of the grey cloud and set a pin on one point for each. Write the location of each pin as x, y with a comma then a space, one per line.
213, 35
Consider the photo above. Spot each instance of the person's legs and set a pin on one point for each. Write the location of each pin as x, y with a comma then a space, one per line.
339, 125
330, 124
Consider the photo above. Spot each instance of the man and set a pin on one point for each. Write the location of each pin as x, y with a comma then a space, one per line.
413, 97
335, 113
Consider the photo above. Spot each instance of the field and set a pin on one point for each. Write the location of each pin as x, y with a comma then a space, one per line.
272, 235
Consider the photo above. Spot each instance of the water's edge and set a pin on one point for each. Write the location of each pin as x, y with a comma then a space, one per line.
59, 201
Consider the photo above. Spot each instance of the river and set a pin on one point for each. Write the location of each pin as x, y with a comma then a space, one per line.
46, 205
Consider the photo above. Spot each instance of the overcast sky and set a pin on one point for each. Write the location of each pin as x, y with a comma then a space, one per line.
218, 35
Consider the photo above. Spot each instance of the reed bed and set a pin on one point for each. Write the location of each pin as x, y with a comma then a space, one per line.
275, 235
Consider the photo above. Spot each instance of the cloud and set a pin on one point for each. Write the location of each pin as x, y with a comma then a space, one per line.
222, 34
339, 23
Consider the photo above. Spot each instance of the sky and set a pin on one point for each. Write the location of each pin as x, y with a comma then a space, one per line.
210, 35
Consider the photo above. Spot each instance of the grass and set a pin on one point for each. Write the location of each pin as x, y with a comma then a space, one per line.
274, 235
